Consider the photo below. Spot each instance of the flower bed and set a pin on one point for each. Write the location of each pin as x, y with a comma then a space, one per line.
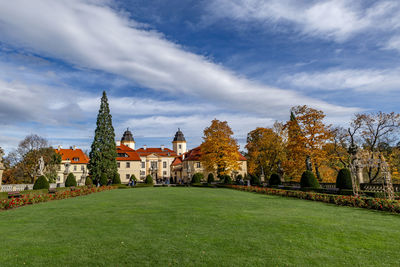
37, 198
352, 201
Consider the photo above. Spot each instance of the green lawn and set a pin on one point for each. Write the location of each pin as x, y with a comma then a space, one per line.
195, 226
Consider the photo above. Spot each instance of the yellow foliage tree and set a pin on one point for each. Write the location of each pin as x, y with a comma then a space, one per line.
307, 134
219, 149
265, 150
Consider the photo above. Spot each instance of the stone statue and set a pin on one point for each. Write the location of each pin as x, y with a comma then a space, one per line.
280, 170
41, 166
308, 164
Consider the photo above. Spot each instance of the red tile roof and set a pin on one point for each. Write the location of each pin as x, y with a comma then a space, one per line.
128, 154
177, 161
76, 156
156, 150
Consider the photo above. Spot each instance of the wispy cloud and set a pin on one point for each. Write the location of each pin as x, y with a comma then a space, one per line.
90, 34
336, 20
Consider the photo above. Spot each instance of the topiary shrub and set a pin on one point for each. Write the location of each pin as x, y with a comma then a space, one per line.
275, 179
343, 179
239, 178
41, 183
133, 177
116, 178
71, 181
308, 180
103, 179
197, 177
210, 178
88, 181
255, 180
149, 179
227, 179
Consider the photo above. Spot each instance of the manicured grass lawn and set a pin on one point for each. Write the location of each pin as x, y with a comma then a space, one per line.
196, 226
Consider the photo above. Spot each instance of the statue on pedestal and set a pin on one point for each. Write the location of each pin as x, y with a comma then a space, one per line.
1, 166
41, 166
308, 164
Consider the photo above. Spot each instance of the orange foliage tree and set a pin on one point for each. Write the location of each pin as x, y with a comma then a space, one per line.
265, 150
219, 149
307, 135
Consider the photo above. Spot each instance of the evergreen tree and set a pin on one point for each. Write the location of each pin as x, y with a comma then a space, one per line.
103, 150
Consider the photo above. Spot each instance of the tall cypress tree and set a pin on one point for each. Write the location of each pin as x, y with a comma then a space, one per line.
103, 150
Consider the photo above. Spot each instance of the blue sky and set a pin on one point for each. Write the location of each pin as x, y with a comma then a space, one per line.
170, 64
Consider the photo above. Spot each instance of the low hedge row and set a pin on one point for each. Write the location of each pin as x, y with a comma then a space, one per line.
28, 199
341, 200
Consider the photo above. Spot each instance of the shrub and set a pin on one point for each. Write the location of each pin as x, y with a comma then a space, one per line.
71, 181
255, 180
227, 179
197, 177
133, 177
41, 183
116, 179
210, 178
103, 179
343, 180
308, 180
275, 179
88, 181
149, 179
239, 178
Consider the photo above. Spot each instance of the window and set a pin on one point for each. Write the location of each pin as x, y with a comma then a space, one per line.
142, 173
75, 159
154, 165
165, 173
119, 164
143, 164
180, 146
128, 165
75, 168
59, 167
128, 177
82, 168
58, 178
164, 164
198, 165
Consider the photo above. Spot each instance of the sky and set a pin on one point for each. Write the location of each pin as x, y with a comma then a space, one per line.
181, 63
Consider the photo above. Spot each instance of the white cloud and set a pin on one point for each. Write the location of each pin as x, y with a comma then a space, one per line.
361, 80
331, 19
92, 35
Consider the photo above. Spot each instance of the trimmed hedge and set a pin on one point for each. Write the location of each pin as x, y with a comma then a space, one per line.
149, 179
226, 179
197, 177
210, 178
308, 180
116, 179
71, 181
352, 201
275, 179
103, 179
343, 180
88, 181
255, 180
41, 183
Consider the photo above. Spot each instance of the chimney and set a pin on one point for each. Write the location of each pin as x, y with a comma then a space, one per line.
162, 147
74, 147
144, 147
59, 148
118, 143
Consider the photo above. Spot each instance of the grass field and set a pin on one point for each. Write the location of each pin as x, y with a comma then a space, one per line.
195, 226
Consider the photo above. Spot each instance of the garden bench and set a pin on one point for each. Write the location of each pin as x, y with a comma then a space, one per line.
14, 194
52, 191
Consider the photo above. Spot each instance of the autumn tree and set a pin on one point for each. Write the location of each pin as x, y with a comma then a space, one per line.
376, 132
307, 134
265, 151
23, 162
219, 149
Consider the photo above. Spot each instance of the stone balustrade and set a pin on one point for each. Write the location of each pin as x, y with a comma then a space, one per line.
23, 187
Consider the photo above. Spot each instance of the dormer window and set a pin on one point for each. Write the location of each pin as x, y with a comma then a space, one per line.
75, 159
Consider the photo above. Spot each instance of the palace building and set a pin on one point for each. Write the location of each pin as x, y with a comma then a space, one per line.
74, 161
184, 166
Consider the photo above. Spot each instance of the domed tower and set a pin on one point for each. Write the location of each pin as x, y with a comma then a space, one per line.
179, 143
127, 139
